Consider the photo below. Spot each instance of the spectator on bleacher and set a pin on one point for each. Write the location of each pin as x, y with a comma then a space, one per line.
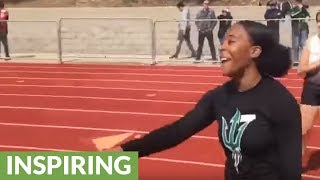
4, 16
184, 31
205, 29
273, 16
224, 25
300, 28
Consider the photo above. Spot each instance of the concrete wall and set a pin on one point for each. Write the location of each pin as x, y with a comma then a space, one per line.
94, 36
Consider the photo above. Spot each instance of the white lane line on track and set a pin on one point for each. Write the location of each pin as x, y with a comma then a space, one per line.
97, 111
144, 158
103, 98
127, 74
35, 148
110, 80
98, 98
91, 129
90, 111
108, 130
103, 88
311, 176
110, 73
122, 80
313, 147
158, 68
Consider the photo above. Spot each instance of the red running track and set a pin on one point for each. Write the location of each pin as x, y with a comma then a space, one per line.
49, 107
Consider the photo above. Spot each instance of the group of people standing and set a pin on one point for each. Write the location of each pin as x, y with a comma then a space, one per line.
297, 13
205, 22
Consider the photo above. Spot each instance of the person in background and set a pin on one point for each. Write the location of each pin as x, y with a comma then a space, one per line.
273, 16
224, 25
300, 29
205, 29
285, 7
184, 31
4, 17
309, 70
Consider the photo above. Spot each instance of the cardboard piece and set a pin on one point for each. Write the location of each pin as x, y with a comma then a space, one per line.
108, 142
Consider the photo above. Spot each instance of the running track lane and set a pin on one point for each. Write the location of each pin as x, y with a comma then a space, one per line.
109, 93
96, 67
189, 84
119, 121
78, 140
112, 83
160, 78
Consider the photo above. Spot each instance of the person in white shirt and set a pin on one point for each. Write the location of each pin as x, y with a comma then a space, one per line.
184, 31
309, 69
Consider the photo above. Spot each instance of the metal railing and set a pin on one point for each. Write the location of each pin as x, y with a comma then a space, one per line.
106, 38
166, 32
37, 40
133, 40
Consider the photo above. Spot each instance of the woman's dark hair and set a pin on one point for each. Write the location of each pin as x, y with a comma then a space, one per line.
275, 59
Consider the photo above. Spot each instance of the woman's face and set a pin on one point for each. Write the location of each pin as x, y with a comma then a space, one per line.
237, 52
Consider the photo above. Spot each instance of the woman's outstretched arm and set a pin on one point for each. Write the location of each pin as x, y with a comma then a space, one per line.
175, 133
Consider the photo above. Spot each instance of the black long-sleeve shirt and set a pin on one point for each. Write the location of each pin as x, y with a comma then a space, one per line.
260, 131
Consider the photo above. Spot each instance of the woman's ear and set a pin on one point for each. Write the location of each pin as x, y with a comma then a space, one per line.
255, 52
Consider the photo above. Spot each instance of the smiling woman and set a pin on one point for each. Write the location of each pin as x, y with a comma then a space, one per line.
250, 48
258, 118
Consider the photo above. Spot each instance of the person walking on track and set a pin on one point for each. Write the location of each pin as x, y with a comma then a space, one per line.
259, 120
184, 31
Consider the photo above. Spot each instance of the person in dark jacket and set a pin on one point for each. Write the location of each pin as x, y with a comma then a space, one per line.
224, 25
205, 29
273, 16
